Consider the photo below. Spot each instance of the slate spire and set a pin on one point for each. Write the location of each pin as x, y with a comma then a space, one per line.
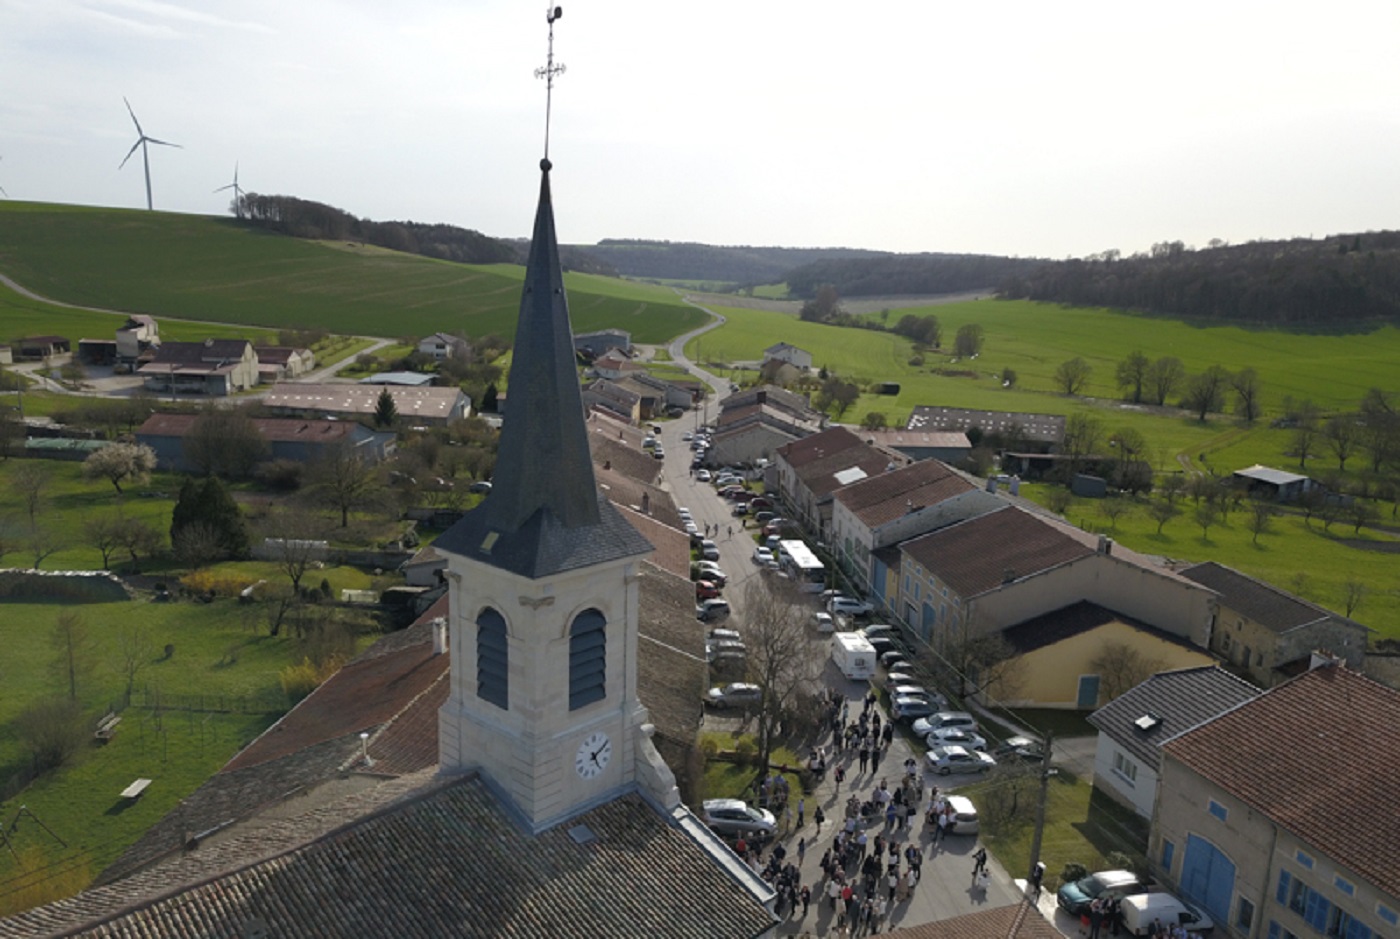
544, 513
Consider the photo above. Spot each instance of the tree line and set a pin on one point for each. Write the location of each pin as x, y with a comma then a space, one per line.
906, 274
730, 264
1339, 279
303, 218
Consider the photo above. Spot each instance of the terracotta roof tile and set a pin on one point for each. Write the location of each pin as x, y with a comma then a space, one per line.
975, 556
995, 923
1317, 755
888, 496
832, 440
829, 473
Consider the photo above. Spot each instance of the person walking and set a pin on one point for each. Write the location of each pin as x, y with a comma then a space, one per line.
839, 774
806, 896
980, 857
801, 850
801, 811
863, 756
818, 816
1095, 918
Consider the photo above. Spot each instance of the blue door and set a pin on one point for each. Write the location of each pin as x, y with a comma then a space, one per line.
1208, 877
877, 581
1088, 692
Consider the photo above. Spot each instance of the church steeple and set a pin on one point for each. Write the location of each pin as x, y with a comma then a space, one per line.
544, 513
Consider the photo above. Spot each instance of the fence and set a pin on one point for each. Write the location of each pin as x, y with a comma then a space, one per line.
264, 702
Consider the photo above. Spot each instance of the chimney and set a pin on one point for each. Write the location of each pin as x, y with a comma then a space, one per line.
1008, 575
646, 503
439, 635
761, 397
1105, 545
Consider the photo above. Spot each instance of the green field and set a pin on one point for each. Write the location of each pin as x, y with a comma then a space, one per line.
222, 270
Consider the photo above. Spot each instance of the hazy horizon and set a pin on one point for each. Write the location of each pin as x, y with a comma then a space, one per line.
1012, 130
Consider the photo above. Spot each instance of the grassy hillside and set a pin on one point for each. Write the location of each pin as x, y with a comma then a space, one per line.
217, 269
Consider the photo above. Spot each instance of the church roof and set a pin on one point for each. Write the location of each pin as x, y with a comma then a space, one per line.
426, 856
544, 515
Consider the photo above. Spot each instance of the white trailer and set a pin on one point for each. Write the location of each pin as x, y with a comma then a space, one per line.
854, 655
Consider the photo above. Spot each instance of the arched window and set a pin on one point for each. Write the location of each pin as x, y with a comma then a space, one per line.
492, 659
588, 659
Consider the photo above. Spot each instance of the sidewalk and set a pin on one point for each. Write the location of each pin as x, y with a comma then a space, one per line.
945, 889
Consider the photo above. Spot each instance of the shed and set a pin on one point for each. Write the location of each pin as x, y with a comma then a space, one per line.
1269, 483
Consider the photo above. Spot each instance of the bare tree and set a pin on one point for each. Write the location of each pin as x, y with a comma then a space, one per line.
1353, 594
74, 655
1083, 434
1306, 429
977, 665
104, 534
968, 341
1071, 376
1058, 500
1207, 514
344, 479
295, 539
1132, 374
1342, 436
1162, 510
51, 730
30, 481
225, 442
1362, 513
1380, 419
140, 539
1205, 392
1113, 510
1164, 377
1261, 518
135, 649
1121, 668
40, 544
782, 659
1246, 385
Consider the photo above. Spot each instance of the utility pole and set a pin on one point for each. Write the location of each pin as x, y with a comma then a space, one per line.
1045, 773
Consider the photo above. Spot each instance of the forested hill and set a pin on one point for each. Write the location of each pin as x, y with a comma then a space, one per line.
741, 265
916, 274
1334, 280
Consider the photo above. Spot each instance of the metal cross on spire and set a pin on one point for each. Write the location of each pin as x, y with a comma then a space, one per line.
548, 72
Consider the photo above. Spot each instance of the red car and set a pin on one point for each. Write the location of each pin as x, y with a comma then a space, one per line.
706, 590
760, 502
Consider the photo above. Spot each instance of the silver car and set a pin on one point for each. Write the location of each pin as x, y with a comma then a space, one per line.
736, 817
946, 760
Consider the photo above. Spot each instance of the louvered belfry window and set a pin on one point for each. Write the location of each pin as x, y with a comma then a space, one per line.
492, 659
588, 648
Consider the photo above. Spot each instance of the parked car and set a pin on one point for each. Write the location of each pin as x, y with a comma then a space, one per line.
712, 611
1075, 896
946, 760
740, 509
762, 502
479, 486
648, 442
1141, 910
736, 694
687, 436
762, 556
720, 634
944, 720
893, 659
718, 649
709, 550
883, 630
882, 644
763, 517
1019, 748
850, 606
706, 590
711, 571
736, 817
823, 622
956, 737
703, 476
964, 816
911, 708
900, 676
659, 452
912, 689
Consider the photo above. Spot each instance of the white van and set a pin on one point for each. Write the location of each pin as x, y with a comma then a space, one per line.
854, 655
1142, 910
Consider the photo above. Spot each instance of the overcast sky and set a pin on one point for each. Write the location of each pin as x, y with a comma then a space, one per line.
1024, 128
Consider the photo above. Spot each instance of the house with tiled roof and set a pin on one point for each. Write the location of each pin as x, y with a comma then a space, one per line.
442, 345
1269, 634
1015, 429
1018, 921
753, 424
602, 341
1134, 725
212, 367
279, 363
810, 470
990, 572
614, 365
1279, 816
872, 514
547, 808
611, 396
134, 337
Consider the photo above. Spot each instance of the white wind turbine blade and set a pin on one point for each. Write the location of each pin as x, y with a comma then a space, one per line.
139, 141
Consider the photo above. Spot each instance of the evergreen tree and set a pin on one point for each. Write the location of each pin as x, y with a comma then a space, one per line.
384, 411
207, 505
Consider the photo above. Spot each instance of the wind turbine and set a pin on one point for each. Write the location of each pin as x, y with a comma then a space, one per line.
237, 192
2, 188
141, 141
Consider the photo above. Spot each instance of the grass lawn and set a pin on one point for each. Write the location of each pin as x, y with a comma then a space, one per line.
221, 657
220, 269
725, 780
1079, 827
1298, 556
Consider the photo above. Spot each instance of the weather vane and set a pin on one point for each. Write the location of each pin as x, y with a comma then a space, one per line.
548, 72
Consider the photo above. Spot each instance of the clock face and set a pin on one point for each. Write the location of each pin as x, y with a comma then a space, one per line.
593, 754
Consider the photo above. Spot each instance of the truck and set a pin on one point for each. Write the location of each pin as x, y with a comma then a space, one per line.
854, 655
